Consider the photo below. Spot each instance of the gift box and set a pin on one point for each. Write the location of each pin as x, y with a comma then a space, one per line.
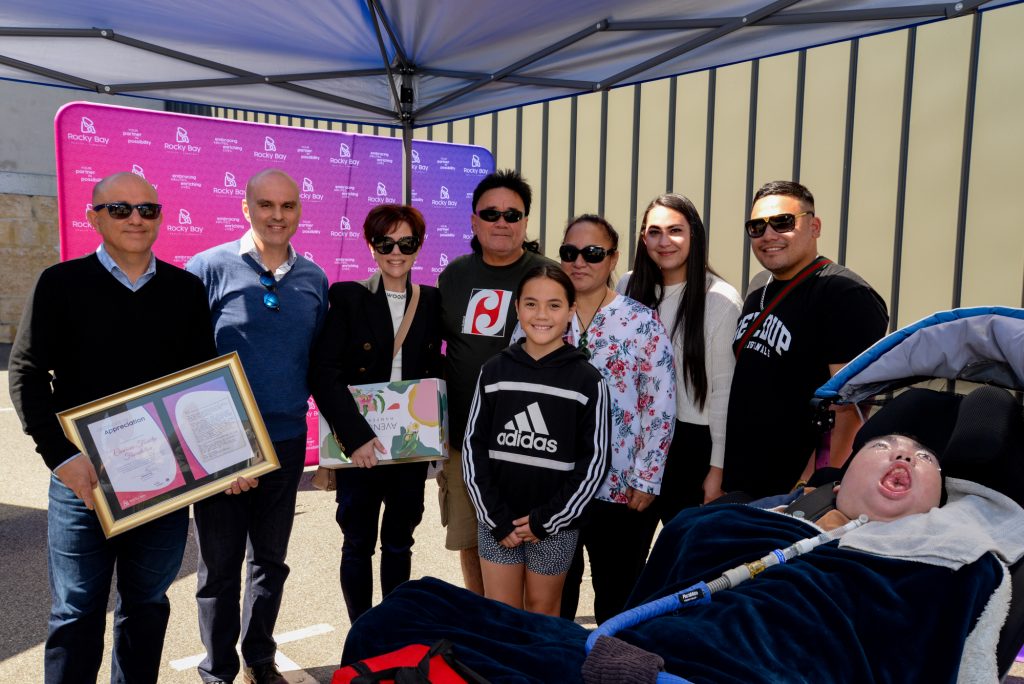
409, 417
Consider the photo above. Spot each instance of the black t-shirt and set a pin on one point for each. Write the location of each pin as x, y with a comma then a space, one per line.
829, 318
478, 317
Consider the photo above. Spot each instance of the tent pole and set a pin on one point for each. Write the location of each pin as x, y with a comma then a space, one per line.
407, 159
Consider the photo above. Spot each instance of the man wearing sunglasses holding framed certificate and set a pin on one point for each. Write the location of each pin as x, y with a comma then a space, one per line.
803, 319
268, 304
478, 318
94, 326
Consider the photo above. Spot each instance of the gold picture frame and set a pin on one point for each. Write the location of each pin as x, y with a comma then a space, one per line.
170, 442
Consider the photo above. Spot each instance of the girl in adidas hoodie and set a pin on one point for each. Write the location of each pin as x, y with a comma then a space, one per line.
536, 450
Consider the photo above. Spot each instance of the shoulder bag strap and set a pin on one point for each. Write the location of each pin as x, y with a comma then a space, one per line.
410, 312
808, 270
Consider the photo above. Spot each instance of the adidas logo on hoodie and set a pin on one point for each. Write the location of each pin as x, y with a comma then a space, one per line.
527, 430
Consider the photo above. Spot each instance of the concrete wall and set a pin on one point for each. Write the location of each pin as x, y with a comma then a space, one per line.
28, 244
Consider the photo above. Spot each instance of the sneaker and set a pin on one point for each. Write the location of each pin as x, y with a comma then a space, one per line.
267, 673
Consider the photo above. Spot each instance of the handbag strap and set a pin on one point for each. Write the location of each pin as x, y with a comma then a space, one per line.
807, 271
410, 312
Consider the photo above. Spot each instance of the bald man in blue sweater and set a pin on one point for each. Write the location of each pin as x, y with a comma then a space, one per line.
267, 303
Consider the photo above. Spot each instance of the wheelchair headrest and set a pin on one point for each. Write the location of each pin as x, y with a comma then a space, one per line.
987, 443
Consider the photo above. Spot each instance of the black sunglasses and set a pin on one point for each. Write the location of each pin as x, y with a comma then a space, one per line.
122, 210
270, 298
592, 254
406, 245
780, 223
492, 215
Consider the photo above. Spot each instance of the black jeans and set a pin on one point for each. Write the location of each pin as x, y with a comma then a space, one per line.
617, 542
361, 491
251, 528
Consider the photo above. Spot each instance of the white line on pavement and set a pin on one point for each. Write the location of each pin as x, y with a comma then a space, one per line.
283, 662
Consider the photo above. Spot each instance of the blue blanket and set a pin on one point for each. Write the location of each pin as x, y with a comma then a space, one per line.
832, 615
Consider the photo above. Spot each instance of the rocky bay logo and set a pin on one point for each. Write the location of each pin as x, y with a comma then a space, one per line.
83, 225
269, 150
528, 430
87, 133
444, 201
382, 196
182, 143
138, 171
309, 255
344, 228
185, 224
474, 166
230, 188
344, 157
442, 261
308, 193
415, 157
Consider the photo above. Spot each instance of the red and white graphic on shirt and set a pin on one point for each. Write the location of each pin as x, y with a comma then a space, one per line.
486, 313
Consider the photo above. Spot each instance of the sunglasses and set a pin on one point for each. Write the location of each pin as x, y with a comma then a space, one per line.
592, 254
122, 210
780, 223
270, 298
406, 245
492, 215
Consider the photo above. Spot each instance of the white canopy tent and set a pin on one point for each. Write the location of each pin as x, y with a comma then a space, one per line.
411, 63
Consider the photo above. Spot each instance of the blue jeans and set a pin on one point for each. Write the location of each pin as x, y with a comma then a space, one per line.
360, 494
253, 527
81, 564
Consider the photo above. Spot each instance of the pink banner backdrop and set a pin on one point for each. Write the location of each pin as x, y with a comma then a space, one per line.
200, 166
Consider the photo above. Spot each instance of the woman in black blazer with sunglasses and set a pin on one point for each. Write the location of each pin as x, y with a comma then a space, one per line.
356, 347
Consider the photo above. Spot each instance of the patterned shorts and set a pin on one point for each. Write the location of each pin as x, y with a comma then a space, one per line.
550, 556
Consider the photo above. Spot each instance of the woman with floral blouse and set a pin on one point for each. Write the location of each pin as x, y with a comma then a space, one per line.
627, 343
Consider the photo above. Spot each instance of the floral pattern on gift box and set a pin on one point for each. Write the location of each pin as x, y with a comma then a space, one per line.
369, 401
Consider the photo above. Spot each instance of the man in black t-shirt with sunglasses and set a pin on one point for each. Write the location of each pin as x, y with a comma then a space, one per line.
478, 318
803, 319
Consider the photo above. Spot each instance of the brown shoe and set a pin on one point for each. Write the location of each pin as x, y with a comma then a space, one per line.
267, 673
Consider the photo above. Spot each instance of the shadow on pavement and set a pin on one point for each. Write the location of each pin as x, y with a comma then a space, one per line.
5, 356
24, 587
24, 584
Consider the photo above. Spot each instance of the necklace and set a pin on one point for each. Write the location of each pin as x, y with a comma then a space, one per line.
765, 290
604, 300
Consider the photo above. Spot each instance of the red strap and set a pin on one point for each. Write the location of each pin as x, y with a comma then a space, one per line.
808, 270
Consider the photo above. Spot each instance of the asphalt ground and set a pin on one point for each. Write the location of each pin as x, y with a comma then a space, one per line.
310, 630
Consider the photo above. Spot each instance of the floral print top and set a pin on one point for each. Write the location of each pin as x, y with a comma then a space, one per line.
630, 347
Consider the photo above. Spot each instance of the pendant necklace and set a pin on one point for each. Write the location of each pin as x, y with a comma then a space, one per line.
584, 328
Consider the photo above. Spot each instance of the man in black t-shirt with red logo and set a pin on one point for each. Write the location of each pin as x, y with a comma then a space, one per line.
478, 317
803, 319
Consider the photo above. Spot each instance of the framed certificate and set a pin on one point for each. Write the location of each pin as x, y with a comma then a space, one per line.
170, 442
